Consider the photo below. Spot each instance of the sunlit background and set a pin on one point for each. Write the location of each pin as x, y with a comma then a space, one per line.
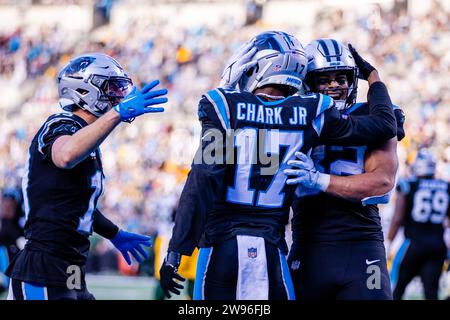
185, 44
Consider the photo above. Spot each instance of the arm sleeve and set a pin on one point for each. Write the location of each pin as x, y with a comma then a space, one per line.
103, 226
52, 130
379, 125
400, 118
204, 183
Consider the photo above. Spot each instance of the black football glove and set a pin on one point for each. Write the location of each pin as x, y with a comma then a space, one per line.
400, 117
168, 272
364, 67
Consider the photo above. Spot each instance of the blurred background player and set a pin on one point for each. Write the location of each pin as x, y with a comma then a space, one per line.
11, 230
64, 179
236, 211
421, 207
340, 221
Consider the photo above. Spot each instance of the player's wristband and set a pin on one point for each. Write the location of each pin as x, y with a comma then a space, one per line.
323, 181
173, 259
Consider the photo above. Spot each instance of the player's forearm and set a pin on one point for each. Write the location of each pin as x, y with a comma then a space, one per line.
103, 226
199, 194
358, 187
379, 126
381, 110
393, 229
197, 199
398, 217
396, 223
77, 147
373, 77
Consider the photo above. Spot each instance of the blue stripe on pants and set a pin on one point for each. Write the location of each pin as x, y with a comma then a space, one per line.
287, 277
202, 263
397, 262
4, 261
33, 292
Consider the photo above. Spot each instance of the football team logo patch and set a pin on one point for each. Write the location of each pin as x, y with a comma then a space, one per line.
252, 253
295, 265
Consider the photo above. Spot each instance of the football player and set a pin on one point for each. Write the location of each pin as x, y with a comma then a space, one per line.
337, 228
421, 208
64, 179
11, 230
236, 207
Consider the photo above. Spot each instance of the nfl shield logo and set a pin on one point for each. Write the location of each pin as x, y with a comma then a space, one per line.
277, 67
295, 265
252, 253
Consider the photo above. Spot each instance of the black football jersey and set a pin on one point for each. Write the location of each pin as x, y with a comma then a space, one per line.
249, 195
427, 205
324, 217
59, 203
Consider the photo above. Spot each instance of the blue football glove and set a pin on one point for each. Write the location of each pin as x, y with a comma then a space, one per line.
137, 103
306, 174
127, 242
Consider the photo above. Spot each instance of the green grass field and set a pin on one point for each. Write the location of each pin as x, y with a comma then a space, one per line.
117, 287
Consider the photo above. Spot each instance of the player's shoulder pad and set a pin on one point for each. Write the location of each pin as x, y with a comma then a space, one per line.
63, 117
57, 124
324, 103
218, 100
355, 107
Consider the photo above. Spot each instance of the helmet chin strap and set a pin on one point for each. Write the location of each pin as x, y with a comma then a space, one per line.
270, 96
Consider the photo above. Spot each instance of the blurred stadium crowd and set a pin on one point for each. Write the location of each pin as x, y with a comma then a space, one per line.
146, 162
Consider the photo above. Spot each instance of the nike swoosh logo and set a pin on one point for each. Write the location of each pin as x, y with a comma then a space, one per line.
370, 262
129, 99
206, 135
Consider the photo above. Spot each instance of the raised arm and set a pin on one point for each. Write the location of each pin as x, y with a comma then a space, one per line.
69, 150
380, 125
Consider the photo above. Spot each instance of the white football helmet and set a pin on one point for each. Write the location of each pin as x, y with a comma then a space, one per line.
325, 55
281, 60
94, 82
425, 164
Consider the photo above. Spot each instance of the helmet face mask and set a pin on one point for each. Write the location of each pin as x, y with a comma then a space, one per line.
280, 60
93, 82
113, 89
330, 57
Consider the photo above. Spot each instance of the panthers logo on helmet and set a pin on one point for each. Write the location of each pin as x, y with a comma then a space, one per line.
94, 82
